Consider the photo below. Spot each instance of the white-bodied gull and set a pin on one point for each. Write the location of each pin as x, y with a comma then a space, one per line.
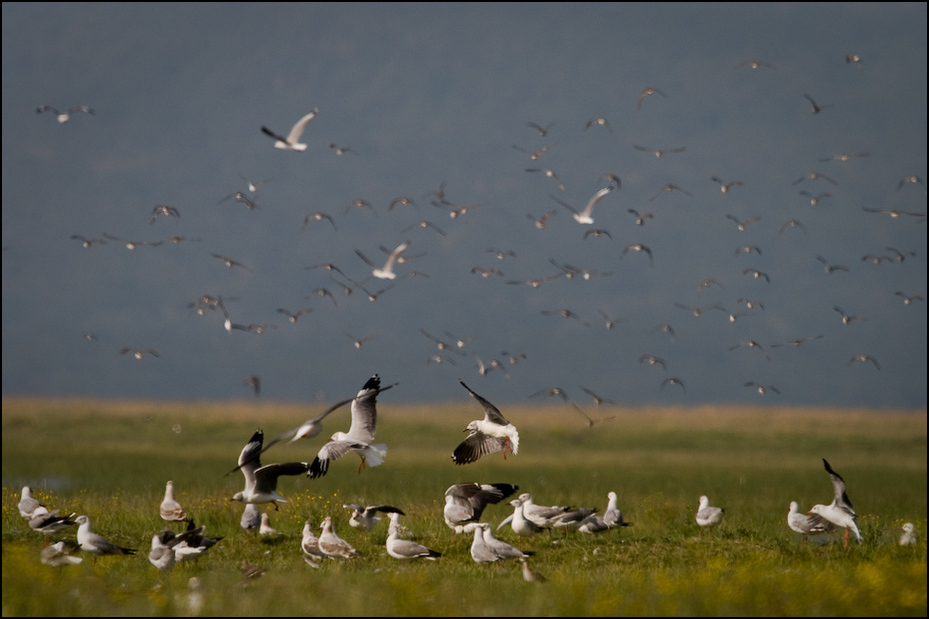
404, 548
27, 504
291, 142
310, 546
331, 544
97, 544
363, 517
64, 117
261, 481
170, 509
489, 435
707, 516
387, 271
807, 525
840, 512
909, 535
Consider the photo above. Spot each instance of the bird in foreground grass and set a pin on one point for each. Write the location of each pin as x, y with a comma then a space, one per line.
489, 435
405, 549
331, 545
840, 512
709, 517
292, 141
170, 509
805, 524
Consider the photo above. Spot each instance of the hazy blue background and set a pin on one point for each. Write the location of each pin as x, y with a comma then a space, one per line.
426, 95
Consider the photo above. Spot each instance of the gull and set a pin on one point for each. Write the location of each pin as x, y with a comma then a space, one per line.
550, 174
489, 435
840, 512
806, 525
254, 187
610, 321
27, 504
250, 517
543, 131
613, 517
910, 179
440, 344
64, 117
757, 274
743, 224
425, 224
814, 200
534, 155
652, 360
161, 556
584, 217
900, 255
163, 210
481, 551
907, 299
574, 519
597, 399
97, 544
365, 518
48, 523
403, 548
529, 574
597, 233
387, 272
750, 304
756, 64
241, 197
747, 249
265, 529
649, 91
673, 381
400, 201
791, 223
762, 389
814, 176
864, 358
907, 539
485, 273
294, 316
697, 311
133, 245
639, 218
361, 203
358, 343
291, 141
57, 555
751, 344
341, 150
229, 262
464, 503
669, 187
709, 517
853, 59
331, 545
544, 517
664, 328
844, 156
139, 353
599, 120
659, 152
87, 243
318, 216
261, 481
638, 247
501, 549
567, 314
254, 382
310, 545
798, 342
170, 509
190, 544
521, 525
816, 108
542, 222
832, 268
359, 437
847, 318
725, 187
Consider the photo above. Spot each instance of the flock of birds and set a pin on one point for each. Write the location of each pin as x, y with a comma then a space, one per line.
464, 502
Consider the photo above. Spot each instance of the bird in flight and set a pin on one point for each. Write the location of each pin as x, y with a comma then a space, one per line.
64, 117
291, 142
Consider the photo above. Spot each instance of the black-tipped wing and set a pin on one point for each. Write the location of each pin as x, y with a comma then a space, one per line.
250, 452
490, 411
270, 133
838, 484
266, 476
475, 446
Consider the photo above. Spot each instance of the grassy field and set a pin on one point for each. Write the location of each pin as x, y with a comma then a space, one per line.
110, 460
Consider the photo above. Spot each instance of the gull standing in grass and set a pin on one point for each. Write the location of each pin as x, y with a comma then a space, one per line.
310, 546
387, 272
48, 523
840, 512
261, 481
489, 435
97, 544
360, 435
807, 525
365, 518
291, 142
170, 509
707, 516
500, 548
522, 525
27, 504
331, 544
481, 551
265, 529
907, 539
464, 503
161, 556
404, 548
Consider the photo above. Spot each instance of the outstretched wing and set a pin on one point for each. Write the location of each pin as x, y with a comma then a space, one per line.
491, 413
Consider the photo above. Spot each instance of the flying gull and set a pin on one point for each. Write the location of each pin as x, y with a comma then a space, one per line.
489, 435
291, 141
261, 481
840, 512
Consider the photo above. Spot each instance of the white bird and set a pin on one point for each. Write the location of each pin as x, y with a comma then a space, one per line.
291, 141
331, 544
542, 515
481, 551
97, 544
250, 517
574, 519
707, 516
503, 550
310, 545
261, 481
387, 272
57, 555
806, 525
161, 556
404, 548
613, 516
360, 435
489, 435
190, 544
464, 503
64, 117
840, 512
47, 523
265, 529
363, 517
27, 504
520, 524
170, 509
907, 539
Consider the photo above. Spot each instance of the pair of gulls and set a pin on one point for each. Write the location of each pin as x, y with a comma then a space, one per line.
261, 481
528, 518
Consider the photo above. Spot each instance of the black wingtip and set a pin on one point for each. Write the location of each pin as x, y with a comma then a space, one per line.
318, 468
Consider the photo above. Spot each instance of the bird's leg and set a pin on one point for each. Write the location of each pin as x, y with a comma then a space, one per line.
846, 538
362, 465
276, 508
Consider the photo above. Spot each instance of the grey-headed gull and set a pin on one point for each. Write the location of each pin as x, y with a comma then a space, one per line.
65, 116
27, 504
360, 435
481, 551
612, 518
57, 555
261, 481
542, 515
97, 544
840, 512
363, 517
161, 556
489, 435
520, 524
310, 545
708, 516
170, 509
331, 545
575, 519
387, 271
909, 535
806, 525
292, 141
502, 549
464, 503
404, 548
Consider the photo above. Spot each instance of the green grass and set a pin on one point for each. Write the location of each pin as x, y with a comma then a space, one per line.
110, 460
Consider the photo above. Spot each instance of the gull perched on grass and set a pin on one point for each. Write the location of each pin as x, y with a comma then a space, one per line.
261, 481
97, 544
48, 523
403, 548
907, 539
360, 435
310, 545
331, 545
64, 117
464, 503
27, 504
840, 512
387, 271
489, 435
501, 549
807, 525
707, 516
291, 142
170, 509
